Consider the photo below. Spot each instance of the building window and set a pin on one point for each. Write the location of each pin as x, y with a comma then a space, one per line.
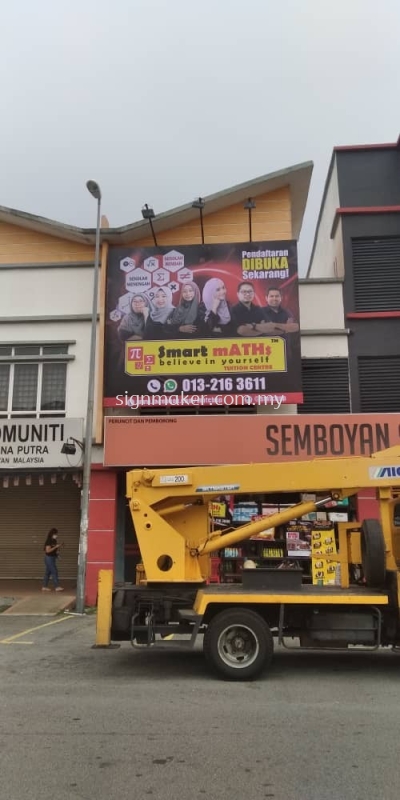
33, 380
325, 386
379, 382
376, 274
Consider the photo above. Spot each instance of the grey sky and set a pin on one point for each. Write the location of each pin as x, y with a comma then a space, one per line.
164, 100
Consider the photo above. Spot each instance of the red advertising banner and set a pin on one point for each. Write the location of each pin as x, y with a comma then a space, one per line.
260, 438
215, 323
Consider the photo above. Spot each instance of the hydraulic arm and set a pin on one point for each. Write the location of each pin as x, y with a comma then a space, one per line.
170, 508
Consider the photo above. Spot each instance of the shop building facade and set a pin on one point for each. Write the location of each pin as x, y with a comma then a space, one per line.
168, 436
276, 212
48, 272
45, 315
357, 241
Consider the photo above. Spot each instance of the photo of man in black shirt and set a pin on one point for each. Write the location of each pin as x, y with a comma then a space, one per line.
246, 315
275, 318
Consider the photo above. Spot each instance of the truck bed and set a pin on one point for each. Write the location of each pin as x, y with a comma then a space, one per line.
229, 593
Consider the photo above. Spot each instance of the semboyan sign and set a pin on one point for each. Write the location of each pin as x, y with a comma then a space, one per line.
38, 443
257, 438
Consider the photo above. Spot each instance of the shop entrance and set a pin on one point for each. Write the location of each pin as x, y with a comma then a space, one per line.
29, 506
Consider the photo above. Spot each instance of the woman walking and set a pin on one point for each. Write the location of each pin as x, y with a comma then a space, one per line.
51, 548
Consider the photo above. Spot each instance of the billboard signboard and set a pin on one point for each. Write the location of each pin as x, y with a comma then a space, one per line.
215, 323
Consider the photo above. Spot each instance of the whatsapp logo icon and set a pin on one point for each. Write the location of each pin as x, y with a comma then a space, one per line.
170, 385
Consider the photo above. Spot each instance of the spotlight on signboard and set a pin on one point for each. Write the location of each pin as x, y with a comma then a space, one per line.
199, 203
69, 447
148, 213
248, 206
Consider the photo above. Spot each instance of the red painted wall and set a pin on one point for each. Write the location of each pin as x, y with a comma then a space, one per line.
102, 529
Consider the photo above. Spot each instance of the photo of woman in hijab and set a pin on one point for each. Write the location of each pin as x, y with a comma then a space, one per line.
187, 318
217, 316
133, 324
161, 308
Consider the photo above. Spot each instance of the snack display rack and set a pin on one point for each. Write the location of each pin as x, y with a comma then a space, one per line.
300, 544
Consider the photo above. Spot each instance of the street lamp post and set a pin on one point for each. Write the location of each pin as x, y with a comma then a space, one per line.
94, 190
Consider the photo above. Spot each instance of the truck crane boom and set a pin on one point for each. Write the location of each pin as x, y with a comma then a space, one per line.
169, 507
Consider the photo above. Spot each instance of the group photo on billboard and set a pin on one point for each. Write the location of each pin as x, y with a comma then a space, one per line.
205, 320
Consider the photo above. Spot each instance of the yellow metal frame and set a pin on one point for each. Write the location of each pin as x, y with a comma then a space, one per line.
204, 599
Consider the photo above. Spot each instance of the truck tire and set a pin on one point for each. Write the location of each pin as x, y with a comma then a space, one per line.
373, 554
238, 644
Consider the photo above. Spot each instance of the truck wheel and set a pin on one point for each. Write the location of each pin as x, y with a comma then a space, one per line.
238, 644
373, 553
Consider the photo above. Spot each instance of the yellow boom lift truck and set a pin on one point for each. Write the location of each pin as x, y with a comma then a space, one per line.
239, 622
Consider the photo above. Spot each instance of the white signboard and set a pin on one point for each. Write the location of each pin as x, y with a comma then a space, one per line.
44, 443
174, 479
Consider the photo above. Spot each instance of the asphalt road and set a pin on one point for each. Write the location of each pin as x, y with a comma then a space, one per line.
84, 724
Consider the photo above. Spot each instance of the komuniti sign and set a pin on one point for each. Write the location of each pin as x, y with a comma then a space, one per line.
30, 443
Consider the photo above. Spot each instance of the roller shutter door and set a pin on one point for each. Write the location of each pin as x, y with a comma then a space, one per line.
376, 274
26, 515
379, 381
325, 386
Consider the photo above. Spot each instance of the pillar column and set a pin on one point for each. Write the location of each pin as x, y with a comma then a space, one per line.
102, 529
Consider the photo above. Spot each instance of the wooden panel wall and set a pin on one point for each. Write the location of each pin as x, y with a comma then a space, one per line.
23, 246
271, 219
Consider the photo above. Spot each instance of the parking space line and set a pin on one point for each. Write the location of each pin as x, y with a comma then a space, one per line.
5, 642
10, 639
